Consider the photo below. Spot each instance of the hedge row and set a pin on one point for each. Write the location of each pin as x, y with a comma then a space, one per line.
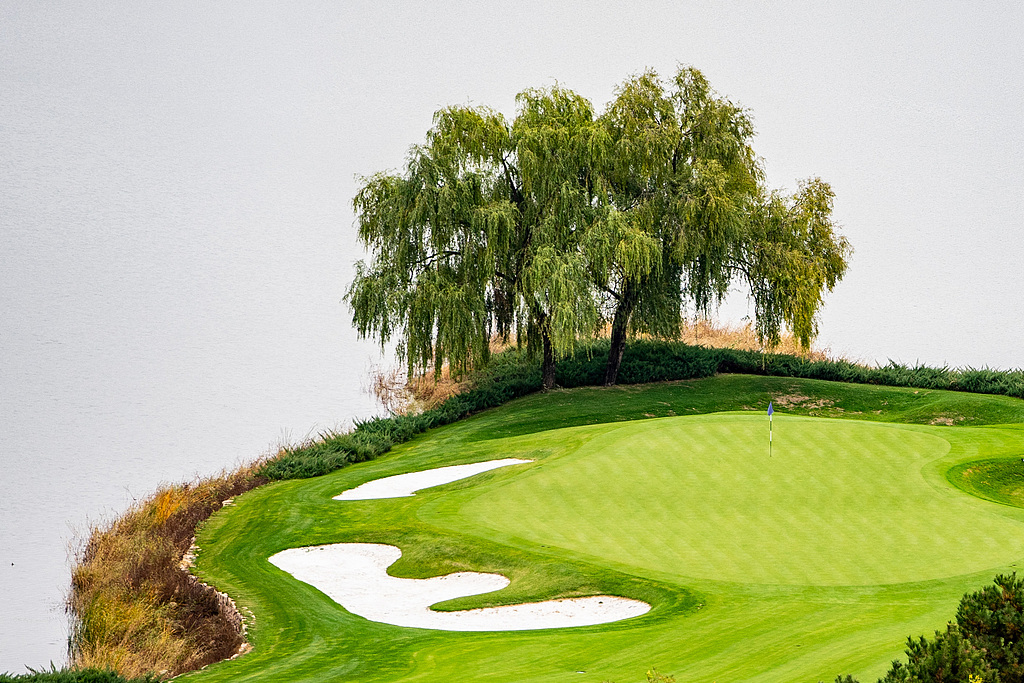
658, 361
508, 377
511, 375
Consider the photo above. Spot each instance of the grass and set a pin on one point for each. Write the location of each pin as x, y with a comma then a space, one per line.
137, 612
817, 562
1000, 480
54, 675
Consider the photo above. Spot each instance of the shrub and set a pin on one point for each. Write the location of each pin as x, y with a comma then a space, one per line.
984, 645
993, 620
512, 374
508, 378
949, 657
71, 676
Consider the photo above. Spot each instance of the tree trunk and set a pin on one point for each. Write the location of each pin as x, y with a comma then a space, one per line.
620, 323
548, 366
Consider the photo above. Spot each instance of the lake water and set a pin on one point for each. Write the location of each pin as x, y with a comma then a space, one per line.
176, 238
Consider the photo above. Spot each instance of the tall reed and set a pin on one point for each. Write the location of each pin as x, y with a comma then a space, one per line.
136, 609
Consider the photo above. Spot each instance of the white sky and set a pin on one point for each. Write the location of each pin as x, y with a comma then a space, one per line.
911, 111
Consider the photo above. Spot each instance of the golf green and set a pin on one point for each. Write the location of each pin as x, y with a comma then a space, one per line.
700, 497
817, 560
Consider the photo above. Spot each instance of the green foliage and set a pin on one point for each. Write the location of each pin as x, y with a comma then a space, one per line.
480, 234
1006, 383
643, 362
992, 619
949, 657
655, 361
986, 644
501, 383
550, 223
678, 174
790, 258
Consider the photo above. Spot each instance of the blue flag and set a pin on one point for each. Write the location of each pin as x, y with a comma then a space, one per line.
770, 409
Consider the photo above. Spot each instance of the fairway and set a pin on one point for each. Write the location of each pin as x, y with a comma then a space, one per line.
819, 560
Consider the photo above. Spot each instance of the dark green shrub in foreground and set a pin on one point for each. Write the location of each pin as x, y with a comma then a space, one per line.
985, 644
993, 619
71, 676
949, 657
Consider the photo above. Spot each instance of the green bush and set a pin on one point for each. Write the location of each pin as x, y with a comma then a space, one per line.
984, 645
993, 620
949, 657
512, 374
508, 378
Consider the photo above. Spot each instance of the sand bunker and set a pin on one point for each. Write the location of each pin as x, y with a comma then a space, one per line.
402, 485
355, 576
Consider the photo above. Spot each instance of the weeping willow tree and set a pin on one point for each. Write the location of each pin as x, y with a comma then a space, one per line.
677, 175
685, 215
481, 235
548, 225
790, 257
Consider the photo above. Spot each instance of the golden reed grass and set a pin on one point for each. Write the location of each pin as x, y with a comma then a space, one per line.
135, 608
725, 336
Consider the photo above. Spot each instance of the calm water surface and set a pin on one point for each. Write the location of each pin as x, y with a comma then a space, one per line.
171, 274
175, 231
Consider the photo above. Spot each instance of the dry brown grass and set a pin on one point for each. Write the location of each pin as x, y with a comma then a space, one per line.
135, 608
401, 395
725, 336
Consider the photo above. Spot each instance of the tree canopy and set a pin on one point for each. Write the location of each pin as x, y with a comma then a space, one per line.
677, 175
563, 221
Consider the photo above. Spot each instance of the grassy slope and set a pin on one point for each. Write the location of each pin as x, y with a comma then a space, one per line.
712, 617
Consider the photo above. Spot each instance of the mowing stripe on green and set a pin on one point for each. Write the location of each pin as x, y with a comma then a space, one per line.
840, 503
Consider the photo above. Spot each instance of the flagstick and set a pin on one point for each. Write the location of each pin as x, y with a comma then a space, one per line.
769, 436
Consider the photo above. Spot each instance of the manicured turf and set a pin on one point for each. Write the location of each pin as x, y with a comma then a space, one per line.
817, 561
701, 498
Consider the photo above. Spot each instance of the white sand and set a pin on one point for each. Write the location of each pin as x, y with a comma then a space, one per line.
402, 485
355, 576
